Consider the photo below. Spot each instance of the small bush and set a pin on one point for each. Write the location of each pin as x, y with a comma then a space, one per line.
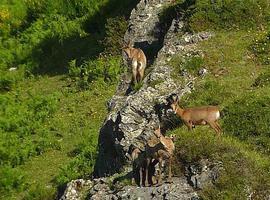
11, 179
115, 29
104, 69
22, 127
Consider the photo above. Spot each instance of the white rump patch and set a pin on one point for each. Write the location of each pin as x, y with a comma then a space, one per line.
217, 115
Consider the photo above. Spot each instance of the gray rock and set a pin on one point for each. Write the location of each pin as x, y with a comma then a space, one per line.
202, 72
180, 189
133, 116
75, 189
203, 173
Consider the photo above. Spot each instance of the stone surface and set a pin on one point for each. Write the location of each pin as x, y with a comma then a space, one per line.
203, 173
180, 189
75, 188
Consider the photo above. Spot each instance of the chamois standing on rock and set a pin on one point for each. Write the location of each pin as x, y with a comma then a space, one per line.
196, 116
163, 151
138, 61
138, 158
138, 163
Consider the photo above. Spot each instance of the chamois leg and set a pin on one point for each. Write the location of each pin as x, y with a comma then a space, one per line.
133, 176
140, 72
218, 126
141, 176
134, 72
212, 124
189, 125
159, 171
170, 171
146, 171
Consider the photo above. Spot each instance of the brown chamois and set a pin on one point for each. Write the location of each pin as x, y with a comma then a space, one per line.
138, 61
138, 163
196, 116
162, 151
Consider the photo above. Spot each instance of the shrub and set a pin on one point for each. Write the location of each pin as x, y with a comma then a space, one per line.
12, 17
115, 29
11, 179
22, 127
104, 70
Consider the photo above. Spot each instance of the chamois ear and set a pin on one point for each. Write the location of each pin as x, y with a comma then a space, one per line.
175, 98
157, 130
129, 44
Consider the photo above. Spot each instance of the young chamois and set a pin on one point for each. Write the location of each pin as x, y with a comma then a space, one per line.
162, 151
138, 163
138, 61
196, 116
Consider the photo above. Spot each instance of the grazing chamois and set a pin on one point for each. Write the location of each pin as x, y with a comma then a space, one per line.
162, 151
138, 61
196, 116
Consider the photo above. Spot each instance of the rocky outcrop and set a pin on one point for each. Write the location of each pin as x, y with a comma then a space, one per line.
179, 190
203, 174
132, 117
76, 189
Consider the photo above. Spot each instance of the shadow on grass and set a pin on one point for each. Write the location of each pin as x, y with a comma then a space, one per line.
52, 56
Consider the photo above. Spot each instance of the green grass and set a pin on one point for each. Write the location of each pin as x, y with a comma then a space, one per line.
244, 147
242, 167
74, 125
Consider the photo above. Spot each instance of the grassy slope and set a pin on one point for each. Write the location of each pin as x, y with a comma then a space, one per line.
245, 164
79, 115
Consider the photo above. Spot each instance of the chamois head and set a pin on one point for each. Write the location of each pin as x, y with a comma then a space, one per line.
173, 137
126, 48
157, 131
173, 101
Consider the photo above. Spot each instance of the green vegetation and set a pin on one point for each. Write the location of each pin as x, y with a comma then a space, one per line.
65, 57
242, 168
190, 63
230, 14
49, 121
238, 83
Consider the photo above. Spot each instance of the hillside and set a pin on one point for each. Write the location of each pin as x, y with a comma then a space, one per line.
61, 69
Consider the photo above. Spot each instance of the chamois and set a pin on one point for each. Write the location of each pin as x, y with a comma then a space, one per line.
196, 116
139, 162
138, 61
160, 151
